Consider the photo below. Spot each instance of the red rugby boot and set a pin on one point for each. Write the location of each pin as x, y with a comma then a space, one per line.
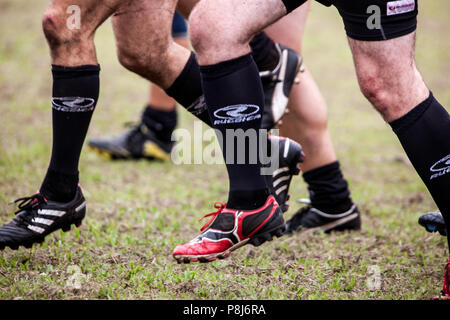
229, 229
445, 293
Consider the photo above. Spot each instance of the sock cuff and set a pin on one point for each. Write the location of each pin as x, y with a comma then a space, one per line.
167, 118
247, 199
59, 186
184, 76
328, 189
261, 45
225, 68
312, 174
405, 122
62, 72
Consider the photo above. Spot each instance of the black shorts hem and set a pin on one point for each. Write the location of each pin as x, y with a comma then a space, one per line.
381, 36
356, 18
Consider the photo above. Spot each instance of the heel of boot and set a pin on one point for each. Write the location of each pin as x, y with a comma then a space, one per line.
267, 236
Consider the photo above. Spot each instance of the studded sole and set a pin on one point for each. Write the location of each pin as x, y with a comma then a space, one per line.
330, 226
29, 245
103, 153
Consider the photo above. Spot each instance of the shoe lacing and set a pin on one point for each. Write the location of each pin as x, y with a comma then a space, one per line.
30, 205
219, 206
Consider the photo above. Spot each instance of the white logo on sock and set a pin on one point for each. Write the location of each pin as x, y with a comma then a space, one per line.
73, 104
237, 113
441, 167
198, 106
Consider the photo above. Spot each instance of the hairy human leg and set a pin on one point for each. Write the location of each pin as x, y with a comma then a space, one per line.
235, 100
60, 202
158, 99
75, 46
230, 39
307, 123
181, 83
307, 120
144, 42
75, 88
145, 46
223, 52
388, 77
151, 136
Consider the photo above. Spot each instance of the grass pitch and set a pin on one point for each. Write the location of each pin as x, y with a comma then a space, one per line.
139, 211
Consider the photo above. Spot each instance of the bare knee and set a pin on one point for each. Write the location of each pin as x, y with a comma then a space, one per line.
388, 76
129, 59
204, 33
148, 63
51, 25
393, 99
56, 31
376, 90
216, 37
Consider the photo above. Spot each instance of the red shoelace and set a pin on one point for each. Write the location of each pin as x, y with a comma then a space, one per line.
219, 206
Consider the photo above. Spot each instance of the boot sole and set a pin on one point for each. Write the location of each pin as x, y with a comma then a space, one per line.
151, 152
332, 225
29, 244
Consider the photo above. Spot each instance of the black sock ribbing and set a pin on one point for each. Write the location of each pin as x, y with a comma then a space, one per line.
328, 190
187, 90
264, 52
163, 123
75, 95
235, 100
424, 133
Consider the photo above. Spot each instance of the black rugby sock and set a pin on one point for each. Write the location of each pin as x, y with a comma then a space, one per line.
328, 190
424, 133
187, 90
163, 123
235, 99
264, 52
75, 95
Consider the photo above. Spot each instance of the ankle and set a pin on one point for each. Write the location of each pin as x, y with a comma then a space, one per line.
163, 123
247, 199
58, 186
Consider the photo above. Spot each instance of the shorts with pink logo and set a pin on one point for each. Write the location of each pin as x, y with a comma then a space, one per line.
376, 20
